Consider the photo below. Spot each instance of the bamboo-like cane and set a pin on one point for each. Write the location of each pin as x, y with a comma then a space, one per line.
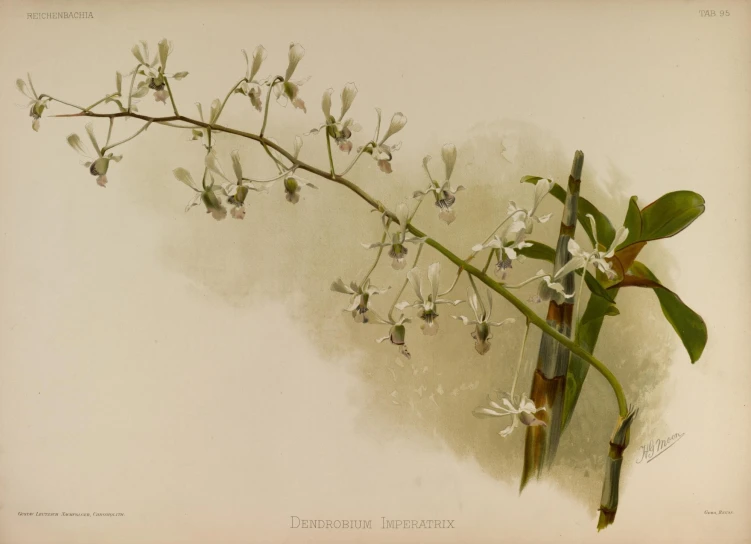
613, 462
549, 379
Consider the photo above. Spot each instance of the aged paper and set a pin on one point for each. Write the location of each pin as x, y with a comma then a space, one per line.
165, 377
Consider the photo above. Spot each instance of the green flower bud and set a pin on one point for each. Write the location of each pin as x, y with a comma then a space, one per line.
291, 185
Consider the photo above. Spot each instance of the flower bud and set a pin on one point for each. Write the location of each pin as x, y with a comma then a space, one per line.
291, 185
292, 190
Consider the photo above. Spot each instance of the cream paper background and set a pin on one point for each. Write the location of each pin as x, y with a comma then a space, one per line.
169, 367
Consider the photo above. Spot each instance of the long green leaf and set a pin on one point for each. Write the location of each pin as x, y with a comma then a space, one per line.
587, 334
670, 214
663, 218
596, 288
538, 251
632, 223
690, 327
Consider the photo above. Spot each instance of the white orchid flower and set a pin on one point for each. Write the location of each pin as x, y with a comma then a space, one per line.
548, 289
581, 259
397, 250
97, 164
292, 182
427, 302
288, 90
155, 71
360, 297
525, 219
382, 152
339, 129
520, 409
508, 250
482, 323
237, 189
397, 334
445, 194
207, 195
36, 104
250, 87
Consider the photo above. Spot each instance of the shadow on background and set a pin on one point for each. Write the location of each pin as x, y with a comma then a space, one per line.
293, 253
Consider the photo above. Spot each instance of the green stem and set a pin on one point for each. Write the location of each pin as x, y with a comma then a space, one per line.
61, 101
224, 102
378, 256
415, 210
171, 98
109, 133
100, 101
474, 253
331, 157
499, 288
521, 360
139, 131
279, 166
525, 282
490, 258
266, 108
399, 294
357, 157
456, 279
132, 81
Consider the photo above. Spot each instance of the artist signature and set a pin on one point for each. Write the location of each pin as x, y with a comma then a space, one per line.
657, 447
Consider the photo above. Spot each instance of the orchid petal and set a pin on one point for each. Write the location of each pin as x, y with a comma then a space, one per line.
448, 153
259, 54
594, 229
465, 320
92, 137
434, 274
413, 277
326, 103
296, 53
542, 188
212, 163
339, 286
236, 165
397, 123
75, 142
348, 97
507, 321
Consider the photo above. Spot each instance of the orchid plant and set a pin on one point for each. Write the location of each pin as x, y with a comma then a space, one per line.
612, 258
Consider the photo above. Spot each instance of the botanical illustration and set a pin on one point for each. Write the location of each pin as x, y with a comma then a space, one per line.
577, 289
